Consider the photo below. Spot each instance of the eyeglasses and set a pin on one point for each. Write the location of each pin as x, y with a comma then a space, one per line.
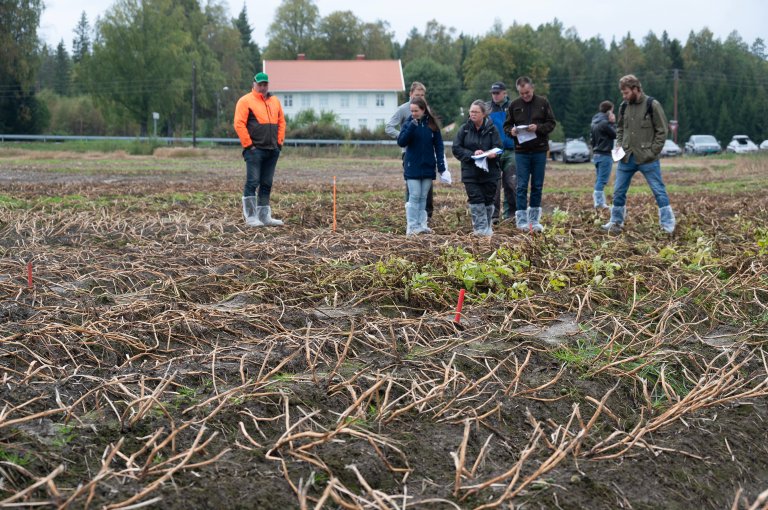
496, 92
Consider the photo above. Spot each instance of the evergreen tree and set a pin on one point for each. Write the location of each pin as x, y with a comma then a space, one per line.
249, 55
62, 70
81, 44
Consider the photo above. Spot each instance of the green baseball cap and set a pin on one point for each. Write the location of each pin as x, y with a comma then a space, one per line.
261, 77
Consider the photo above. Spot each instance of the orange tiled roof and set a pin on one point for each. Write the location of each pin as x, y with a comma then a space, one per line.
334, 75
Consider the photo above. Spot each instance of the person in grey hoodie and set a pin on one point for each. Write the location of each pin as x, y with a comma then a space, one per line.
602, 135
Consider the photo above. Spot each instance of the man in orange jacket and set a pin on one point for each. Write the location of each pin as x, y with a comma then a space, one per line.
260, 125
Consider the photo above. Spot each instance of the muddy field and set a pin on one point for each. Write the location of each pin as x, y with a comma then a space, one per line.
167, 356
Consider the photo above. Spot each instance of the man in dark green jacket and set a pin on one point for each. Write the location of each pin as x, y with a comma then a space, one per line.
640, 131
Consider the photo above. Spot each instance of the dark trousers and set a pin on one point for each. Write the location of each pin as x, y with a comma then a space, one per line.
481, 192
259, 172
530, 170
508, 181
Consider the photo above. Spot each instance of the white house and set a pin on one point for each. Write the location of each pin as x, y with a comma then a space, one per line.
362, 93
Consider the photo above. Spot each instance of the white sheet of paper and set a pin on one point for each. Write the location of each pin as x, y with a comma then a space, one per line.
618, 153
482, 163
523, 135
487, 153
445, 177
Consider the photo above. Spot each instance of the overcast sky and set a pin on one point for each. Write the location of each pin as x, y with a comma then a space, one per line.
608, 19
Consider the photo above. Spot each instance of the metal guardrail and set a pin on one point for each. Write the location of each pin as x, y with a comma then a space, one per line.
293, 142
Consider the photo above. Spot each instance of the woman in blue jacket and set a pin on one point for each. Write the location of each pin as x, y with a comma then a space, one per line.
424, 152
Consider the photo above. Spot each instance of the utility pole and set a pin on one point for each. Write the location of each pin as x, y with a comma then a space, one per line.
194, 105
218, 105
677, 123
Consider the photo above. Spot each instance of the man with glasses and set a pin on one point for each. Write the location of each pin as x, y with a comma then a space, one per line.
497, 108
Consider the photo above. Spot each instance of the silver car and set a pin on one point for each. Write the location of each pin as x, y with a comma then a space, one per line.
702, 145
576, 151
670, 149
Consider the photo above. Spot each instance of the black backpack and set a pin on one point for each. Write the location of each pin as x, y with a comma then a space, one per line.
648, 108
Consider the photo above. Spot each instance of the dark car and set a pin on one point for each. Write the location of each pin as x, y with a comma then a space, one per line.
576, 151
670, 149
702, 145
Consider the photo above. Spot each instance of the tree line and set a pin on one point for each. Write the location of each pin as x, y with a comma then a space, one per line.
138, 58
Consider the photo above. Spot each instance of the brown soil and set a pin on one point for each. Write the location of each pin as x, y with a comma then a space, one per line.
169, 356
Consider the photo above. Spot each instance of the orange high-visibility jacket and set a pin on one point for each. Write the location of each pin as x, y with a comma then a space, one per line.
259, 121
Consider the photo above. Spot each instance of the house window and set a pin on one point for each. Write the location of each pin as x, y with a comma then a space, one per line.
288, 100
345, 100
379, 99
362, 124
306, 100
323, 100
345, 123
362, 100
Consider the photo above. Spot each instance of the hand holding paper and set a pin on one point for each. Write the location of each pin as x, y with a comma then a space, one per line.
445, 177
487, 153
523, 135
618, 153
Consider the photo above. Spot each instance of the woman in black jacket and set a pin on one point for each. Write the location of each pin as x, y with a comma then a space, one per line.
480, 176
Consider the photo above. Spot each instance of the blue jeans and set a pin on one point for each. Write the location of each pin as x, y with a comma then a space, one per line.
259, 171
603, 164
652, 173
530, 167
417, 192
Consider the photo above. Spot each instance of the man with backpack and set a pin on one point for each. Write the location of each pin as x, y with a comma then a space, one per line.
640, 134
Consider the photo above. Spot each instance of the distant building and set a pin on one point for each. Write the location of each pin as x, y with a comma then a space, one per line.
362, 93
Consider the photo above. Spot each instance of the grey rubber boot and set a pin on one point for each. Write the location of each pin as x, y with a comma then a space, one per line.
489, 210
250, 212
479, 219
521, 220
599, 199
534, 217
616, 222
667, 219
423, 223
412, 218
265, 216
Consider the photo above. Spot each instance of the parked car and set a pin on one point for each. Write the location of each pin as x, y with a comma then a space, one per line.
556, 150
741, 144
764, 145
702, 145
576, 151
670, 149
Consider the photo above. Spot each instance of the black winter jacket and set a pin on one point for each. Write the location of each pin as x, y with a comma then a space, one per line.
603, 133
538, 112
468, 140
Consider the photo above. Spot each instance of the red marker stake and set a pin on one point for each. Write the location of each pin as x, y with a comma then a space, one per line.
458, 306
29, 275
334, 203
